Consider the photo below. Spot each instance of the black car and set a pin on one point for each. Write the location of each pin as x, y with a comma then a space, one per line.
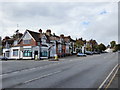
3, 58
104, 52
95, 52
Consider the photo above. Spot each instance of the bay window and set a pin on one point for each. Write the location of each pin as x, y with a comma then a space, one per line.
44, 53
27, 53
15, 52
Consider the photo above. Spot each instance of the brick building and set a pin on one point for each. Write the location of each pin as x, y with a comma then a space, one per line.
38, 45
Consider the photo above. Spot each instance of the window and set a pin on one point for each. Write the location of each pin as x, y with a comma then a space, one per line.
15, 52
44, 54
59, 49
26, 41
27, 53
7, 45
43, 40
15, 42
7, 53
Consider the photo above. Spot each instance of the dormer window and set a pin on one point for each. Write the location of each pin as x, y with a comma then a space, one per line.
26, 41
7, 45
15, 43
15, 52
43, 39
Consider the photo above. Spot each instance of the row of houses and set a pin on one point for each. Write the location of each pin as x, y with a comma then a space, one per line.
40, 45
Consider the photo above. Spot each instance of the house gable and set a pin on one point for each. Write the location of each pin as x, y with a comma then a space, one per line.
27, 36
27, 40
43, 39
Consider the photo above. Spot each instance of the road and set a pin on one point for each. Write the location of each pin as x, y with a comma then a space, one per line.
70, 72
115, 80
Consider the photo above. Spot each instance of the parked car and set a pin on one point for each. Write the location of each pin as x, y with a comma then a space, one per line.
74, 53
118, 51
3, 58
104, 52
95, 52
81, 55
88, 52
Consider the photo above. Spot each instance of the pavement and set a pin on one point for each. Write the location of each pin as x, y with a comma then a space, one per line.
69, 72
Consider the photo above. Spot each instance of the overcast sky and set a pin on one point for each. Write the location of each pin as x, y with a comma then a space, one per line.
89, 20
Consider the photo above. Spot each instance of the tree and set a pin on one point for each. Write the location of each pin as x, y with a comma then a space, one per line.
92, 45
88, 47
79, 43
101, 47
0, 50
117, 47
112, 43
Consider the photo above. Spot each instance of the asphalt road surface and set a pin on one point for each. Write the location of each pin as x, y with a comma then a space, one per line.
70, 72
114, 82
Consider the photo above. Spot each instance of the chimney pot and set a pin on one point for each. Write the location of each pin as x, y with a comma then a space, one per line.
40, 30
48, 32
62, 35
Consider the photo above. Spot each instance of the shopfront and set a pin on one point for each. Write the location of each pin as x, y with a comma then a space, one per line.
27, 53
44, 52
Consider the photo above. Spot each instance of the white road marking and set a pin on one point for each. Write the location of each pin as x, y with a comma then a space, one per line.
41, 77
107, 77
34, 79
37, 67
67, 61
112, 78
31, 69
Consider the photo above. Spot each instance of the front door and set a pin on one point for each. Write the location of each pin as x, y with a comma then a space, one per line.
36, 54
7, 53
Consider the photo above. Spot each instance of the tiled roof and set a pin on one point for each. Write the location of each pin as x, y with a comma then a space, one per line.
10, 41
68, 38
35, 35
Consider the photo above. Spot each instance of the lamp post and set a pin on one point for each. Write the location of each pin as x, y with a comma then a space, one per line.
40, 48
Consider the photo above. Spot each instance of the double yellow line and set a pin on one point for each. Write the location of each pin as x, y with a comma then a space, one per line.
112, 79
109, 83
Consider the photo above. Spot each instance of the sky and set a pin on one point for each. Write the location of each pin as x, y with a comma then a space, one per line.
89, 20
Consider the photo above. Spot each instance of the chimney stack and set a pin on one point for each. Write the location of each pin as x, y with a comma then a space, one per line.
40, 30
48, 32
62, 35
69, 36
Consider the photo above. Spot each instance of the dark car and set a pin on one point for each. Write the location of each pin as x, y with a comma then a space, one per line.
104, 52
95, 52
3, 58
88, 52
81, 55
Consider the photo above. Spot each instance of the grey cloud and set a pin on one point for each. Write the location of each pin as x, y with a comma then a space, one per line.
27, 10
66, 18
